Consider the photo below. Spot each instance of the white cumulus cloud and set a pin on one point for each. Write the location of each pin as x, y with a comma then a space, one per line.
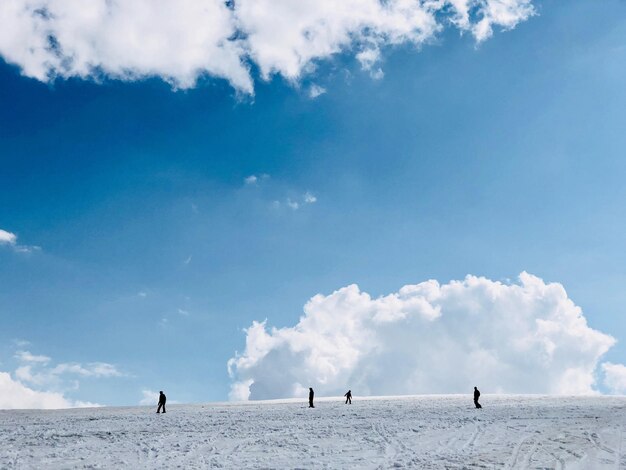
149, 397
36, 383
615, 377
527, 337
184, 40
15, 395
178, 41
7, 238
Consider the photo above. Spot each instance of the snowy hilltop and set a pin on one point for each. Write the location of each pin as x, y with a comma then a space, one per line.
403, 432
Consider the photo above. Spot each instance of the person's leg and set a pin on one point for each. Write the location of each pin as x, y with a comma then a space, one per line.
163, 407
159, 407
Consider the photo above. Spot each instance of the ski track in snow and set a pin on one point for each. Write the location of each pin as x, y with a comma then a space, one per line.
425, 432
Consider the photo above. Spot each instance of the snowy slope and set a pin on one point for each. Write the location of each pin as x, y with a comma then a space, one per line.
410, 432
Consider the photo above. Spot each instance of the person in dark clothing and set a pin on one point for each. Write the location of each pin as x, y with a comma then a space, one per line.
476, 397
348, 397
162, 400
311, 394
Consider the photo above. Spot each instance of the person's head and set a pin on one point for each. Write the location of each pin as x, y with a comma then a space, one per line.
161, 392
311, 388
475, 388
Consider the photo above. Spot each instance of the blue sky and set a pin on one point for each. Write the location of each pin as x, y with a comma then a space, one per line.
487, 159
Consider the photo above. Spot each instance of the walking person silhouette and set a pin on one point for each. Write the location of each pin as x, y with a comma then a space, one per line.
162, 400
311, 395
348, 397
476, 397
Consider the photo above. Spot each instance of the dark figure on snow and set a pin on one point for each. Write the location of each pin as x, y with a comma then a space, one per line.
348, 397
476, 397
162, 400
311, 394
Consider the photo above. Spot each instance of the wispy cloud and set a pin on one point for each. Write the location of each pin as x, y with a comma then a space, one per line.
369, 58
309, 198
21, 343
34, 369
26, 356
38, 383
293, 204
253, 180
316, 90
10, 239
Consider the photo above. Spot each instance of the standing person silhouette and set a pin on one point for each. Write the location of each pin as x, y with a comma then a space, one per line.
162, 400
348, 397
311, 395
476, 397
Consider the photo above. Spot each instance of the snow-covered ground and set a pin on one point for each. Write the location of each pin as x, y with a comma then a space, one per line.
410, 432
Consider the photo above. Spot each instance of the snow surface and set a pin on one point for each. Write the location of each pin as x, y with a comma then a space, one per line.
411, 432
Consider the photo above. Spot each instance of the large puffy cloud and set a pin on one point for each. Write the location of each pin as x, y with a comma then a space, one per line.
184, 39
526, 337
175, 40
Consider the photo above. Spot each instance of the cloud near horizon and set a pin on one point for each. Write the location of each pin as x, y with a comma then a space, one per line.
15, 395
526, 337
184, 40
615, 377
36, 384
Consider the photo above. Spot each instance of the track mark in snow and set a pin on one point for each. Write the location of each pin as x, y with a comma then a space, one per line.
595, 440
523, 453
472, 440
560, 462
618, 460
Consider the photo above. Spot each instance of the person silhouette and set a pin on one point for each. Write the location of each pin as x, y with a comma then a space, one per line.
311, 395
348, 397
476, 397
162, 400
